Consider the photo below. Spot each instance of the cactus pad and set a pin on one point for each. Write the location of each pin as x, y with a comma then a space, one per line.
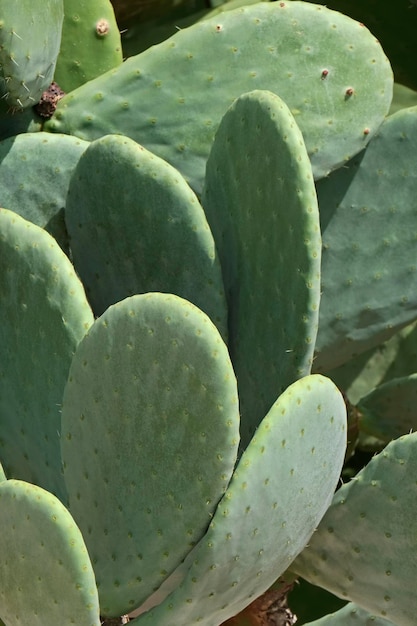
150, 435
261, 205
369, 260
29, 45
136, 226
328, 68
44, 315
364, 548
34, 177
46, 577
351, 615
90, 43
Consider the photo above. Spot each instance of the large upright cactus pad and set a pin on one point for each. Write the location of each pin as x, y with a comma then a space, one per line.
261, 205
150, 434
329, 69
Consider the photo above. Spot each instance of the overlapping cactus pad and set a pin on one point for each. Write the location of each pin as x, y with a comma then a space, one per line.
29, 45
136, 226
351, 615
261, 205
364, 549
42, 554
329, 69
150, 431
259, 527
368, 213
44, 315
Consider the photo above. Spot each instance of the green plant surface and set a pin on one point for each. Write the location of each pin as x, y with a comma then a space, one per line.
279, 491
90, 43
394, 358
364, 548
2, 474
261, 205
136, 226
389, 410
330, 70
368, 222
44, 315
393, 25
46, 577
150, 431
351, 615
35, 170
29, 45
24, 121
403, 97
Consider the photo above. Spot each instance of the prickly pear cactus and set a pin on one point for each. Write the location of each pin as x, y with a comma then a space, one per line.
343, 89
90, 43
389, 410
351, 615
44, 315
136, 226
29, 45
46, 577
34, 178
261, 205
367, 274
150, 431
364, 548
300, 444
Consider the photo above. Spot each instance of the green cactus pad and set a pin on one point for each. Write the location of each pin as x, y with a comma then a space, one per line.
280, 490
90, 43
351, 615
389, 411
394, 358
368, 213
14, 122
35, 172
329, 69
261, 205
364, 548
2, 474
136, 226
150, 434
44, 315
46, 577
30, 37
